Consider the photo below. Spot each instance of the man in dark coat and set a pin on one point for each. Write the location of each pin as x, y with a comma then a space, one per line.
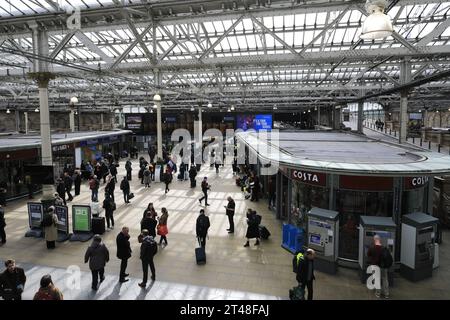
149, 223
125, 187
77, 181
201, 228
109, 206
113, 171
167, 179
129, 169
110, 187
68, 185
205, 188
192, 175
123, 252
305, 272
61, 189
3, 191
98, 255
152, 154
148, 250
12, 281
230, 213
253, 222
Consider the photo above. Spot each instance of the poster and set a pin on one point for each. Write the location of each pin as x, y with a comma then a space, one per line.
257, 122
133, 122
35, 214
81, 217
63, 221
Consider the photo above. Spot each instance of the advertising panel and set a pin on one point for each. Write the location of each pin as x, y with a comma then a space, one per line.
81, 218
35, 214
62, 212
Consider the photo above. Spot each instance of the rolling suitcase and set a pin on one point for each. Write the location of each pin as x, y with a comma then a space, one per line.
200, 254
264, 233
98, 225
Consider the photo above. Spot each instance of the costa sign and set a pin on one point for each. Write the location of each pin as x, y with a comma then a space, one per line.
309, 177
416, 182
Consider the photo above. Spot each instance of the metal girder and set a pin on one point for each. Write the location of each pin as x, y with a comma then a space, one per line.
130, 47
136, 34
93, 47
433, 34
219, 40
326, 28
384, 74
62, 44
175, 40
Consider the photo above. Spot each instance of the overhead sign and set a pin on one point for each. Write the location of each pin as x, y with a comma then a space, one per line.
314, 178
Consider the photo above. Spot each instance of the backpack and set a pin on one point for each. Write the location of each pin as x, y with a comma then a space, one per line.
386, 260
47, 221
258, 219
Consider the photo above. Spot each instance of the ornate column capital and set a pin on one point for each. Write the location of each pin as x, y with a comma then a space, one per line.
42, 78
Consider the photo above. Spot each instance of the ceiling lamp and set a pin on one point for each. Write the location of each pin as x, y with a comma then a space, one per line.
209, 105
73, 100
8, 111
155, 106
36, 110
232, 108
275, 108
377, 25
229, 110
192, 109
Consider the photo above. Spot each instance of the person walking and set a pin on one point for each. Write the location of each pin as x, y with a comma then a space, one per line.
271, 190
2, 225
12, 281
50, 222
305, 271
255, 189
77, 182
61, 189
253, 222
162, 226
109, 206
201, 228
68, 185
30, 187
152, 154
48, 291
148, 251
123, 252
192, 175
113, 171
128, 168
167, 179
147, 178
380, 256
150, 209
97, 255
205, 188
125, 187
230, 213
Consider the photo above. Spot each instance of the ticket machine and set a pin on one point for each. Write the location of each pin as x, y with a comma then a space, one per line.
323, 235
418, 246
385, 228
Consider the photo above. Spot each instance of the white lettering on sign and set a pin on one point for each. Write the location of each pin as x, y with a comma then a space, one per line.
60, 147
306, 176
419, 181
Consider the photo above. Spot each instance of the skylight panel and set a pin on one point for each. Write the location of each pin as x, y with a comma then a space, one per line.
289, 37
242, 42
299, 19
289, 21
247, 24
321, 18
268, 22
278, 22
310, 19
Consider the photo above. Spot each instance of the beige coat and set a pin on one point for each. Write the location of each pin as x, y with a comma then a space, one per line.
51, 233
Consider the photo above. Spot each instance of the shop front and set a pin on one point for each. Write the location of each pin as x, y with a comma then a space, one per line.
352, 197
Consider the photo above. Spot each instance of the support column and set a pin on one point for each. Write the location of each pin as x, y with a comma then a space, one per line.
72, 119
26, 122
102, 121
157, 101
200, 125
42, 77
360, 116
17, 112
318, 115
405, 77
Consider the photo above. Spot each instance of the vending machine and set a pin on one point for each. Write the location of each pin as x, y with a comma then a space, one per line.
418, 246
322, 237
370, 226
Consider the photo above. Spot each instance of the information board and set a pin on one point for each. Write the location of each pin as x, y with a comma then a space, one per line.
35, 214
81, 218
62, 212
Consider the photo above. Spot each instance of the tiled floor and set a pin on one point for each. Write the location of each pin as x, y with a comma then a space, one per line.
231, 272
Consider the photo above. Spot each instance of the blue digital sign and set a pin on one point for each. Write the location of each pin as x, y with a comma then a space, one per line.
263, 122
314, 239
257, 122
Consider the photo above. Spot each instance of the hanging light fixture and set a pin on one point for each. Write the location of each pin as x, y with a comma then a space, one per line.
192, 109
377, 25
8, 111
155, 106
36, 110
209, 105
232, 108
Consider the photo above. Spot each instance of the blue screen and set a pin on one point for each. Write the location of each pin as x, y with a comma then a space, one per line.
314, 239
263, 122
256, 122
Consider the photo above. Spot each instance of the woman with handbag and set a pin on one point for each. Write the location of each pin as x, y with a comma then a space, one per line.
162, 226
